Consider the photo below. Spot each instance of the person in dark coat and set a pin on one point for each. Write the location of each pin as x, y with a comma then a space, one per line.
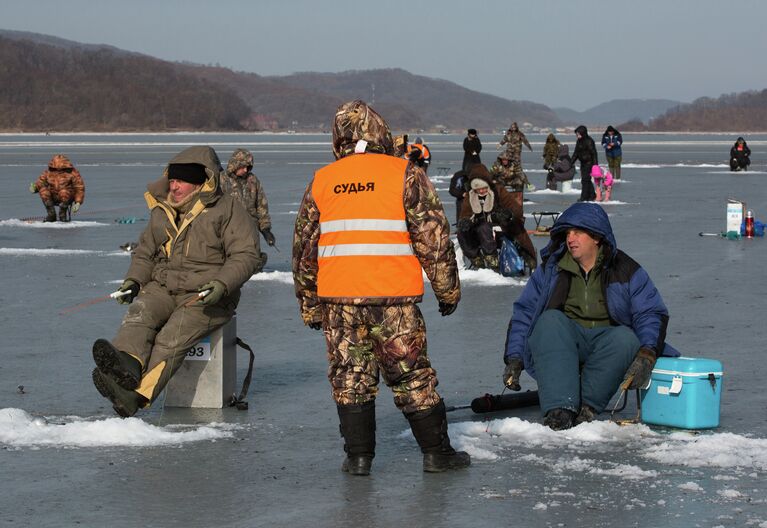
585, 152
488, 203
459, 186
611, 142
740, 155
562, 170
472, 146
589, 321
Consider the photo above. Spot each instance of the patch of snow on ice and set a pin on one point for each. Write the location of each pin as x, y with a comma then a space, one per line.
20, 429
39, 224
285, 277
690, 486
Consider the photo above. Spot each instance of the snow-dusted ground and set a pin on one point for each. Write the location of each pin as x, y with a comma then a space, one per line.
67, 460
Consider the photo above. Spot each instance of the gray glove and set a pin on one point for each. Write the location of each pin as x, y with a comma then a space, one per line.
33, 187
511, 373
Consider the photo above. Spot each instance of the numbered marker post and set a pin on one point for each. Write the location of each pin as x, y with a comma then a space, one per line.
200, 351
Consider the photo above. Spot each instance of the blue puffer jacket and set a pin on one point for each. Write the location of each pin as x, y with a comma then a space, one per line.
616, 141
632, 299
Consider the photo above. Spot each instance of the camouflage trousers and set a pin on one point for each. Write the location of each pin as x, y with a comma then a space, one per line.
364, 341
159, 329
63, 196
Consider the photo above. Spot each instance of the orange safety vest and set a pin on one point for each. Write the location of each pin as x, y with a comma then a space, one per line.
425, 152
364, 248
410, 148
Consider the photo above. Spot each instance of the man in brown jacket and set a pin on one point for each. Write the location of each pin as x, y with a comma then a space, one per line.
368, 227
185, 277
60, 184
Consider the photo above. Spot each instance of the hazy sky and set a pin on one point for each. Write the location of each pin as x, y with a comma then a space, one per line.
560, 53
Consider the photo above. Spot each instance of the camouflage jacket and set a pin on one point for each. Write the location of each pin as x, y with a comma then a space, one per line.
430, 237
513, 142
550, 151
249, 192
511, 175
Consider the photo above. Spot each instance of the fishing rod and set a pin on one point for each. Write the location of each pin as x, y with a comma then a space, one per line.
114, 295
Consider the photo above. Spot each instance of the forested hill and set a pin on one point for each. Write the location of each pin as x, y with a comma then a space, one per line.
47, 87
746, 111
53, 84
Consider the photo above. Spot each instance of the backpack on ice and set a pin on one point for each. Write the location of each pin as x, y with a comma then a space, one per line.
510, 263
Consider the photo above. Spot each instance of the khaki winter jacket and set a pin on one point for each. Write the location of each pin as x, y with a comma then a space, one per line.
215, 239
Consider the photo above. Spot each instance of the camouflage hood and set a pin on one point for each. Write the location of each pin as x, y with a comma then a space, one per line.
240, 158
354, 121
60, 162
202, 155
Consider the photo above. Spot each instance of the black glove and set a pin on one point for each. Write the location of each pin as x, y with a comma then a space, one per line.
268, 236
502, 216
511, 373
640, 370
128, 285
463, 225
315, 326
446, 308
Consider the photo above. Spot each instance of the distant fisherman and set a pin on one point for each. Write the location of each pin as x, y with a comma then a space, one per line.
240, 182
368, 226
183, 282
60, 184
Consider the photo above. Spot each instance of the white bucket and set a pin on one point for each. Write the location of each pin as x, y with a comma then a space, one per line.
567, 186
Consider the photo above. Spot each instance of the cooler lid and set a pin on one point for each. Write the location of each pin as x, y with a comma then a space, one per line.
687, 365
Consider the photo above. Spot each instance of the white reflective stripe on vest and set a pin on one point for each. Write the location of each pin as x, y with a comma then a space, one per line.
363, 224
348, 250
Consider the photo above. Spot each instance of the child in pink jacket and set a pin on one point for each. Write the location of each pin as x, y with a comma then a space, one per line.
603, 179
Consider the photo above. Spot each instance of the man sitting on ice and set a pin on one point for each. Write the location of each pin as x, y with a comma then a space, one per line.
184, 281
589, 321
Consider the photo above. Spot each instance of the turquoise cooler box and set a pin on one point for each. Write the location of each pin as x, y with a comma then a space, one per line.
684, 392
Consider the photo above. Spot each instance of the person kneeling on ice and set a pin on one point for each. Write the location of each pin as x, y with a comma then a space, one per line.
603, 181
183, 283
358, 264
588, 321
488, 204
60, 184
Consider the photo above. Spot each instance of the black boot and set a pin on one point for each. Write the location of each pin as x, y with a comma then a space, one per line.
50, 210
430, 431
358, 427
121, 367
559, 419
63, 213
125, 402
586, 415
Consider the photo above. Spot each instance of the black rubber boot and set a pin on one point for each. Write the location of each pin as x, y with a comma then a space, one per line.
50, 210
559, 419
358, 427
63, 213
430, 431
123, 368
587, 414
125, 402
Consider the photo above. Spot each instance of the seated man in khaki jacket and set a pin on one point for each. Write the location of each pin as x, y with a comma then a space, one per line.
183, 283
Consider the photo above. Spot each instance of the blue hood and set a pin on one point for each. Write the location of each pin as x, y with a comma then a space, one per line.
581, 215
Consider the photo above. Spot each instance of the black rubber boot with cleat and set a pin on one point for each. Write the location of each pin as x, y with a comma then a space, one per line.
121, 367
430, 431
63, 213
125, 402
358, 427
559, 419
51, 213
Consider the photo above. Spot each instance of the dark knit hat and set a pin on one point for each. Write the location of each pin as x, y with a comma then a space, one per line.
193, 173
472, 131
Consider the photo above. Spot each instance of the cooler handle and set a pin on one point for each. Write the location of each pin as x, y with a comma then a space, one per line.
676, 385
712, 381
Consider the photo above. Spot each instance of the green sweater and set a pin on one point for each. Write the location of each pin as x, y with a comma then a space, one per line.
585, 303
